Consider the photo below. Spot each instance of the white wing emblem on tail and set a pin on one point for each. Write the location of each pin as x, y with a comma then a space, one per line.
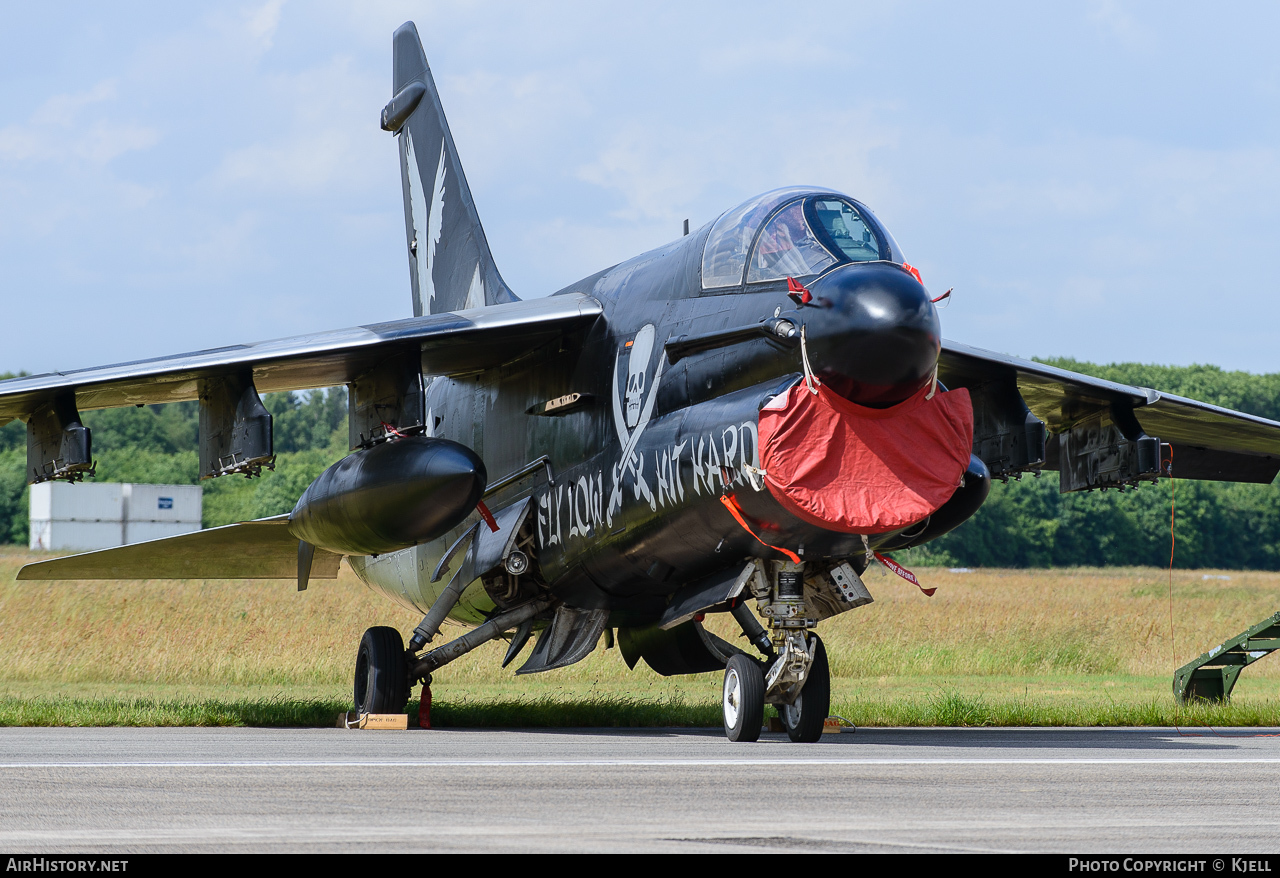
435, 222
475, 295
418, 214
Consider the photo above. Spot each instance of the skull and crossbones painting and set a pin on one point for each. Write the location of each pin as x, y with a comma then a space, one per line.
631, 414
637, 366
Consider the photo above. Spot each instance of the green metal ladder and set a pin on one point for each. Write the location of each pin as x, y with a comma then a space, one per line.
1212, 676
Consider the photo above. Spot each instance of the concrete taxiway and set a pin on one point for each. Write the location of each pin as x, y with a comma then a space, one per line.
1067, 790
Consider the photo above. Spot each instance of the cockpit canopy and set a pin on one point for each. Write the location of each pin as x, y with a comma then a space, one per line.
794, 232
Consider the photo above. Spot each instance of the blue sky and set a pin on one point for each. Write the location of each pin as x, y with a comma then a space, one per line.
1098, 180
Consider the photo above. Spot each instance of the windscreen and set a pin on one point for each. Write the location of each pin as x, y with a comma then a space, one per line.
787, 248
724, 258
846, 229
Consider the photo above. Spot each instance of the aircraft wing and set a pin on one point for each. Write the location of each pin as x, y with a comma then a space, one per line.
450, 343
1093, 416
262, 549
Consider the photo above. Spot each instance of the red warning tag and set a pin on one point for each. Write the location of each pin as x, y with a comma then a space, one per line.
904, 573
731, 503
798, 292
487, 516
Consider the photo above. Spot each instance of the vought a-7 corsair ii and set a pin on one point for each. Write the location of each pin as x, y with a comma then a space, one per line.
740, 421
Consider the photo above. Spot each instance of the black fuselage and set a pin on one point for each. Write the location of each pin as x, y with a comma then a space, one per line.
642, 456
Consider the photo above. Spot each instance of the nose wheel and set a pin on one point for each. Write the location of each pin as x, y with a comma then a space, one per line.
803, 718
743, 701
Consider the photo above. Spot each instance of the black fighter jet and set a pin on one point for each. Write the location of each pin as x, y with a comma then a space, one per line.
740, 421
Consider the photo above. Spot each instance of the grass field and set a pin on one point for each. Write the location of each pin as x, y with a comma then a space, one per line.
992, 647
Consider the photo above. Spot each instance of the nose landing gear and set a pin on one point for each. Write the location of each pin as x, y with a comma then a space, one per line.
743, 701
798, 677
803, 718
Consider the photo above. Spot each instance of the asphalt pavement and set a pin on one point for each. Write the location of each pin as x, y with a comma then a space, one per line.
644, 790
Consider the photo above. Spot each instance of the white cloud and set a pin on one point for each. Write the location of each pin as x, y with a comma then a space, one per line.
1099, 246
663, 170
62, 129
324, 135
489, 111
1113, 19
737, 52
247, 31
220, 243
654, 180
306, 162
570, 249
261, 23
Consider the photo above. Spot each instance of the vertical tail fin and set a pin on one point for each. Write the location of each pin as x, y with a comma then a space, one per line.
449, 260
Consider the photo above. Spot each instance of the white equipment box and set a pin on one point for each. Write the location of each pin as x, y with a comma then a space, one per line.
102, 516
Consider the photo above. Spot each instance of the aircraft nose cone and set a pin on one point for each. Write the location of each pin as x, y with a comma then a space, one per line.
879, 340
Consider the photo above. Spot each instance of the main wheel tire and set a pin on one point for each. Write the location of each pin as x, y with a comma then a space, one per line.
382, 672
743, 701
804, 719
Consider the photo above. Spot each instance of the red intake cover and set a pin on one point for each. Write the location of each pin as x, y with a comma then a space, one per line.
845, 467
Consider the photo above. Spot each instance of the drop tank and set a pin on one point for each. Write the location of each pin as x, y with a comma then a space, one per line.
394, 495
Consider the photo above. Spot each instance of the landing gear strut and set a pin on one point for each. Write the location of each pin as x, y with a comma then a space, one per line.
382, 673
804, 717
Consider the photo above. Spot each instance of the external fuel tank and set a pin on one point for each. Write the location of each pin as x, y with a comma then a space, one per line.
394, 495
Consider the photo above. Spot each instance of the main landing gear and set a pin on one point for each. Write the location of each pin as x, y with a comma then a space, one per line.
385, 671
797, 678
382, 672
